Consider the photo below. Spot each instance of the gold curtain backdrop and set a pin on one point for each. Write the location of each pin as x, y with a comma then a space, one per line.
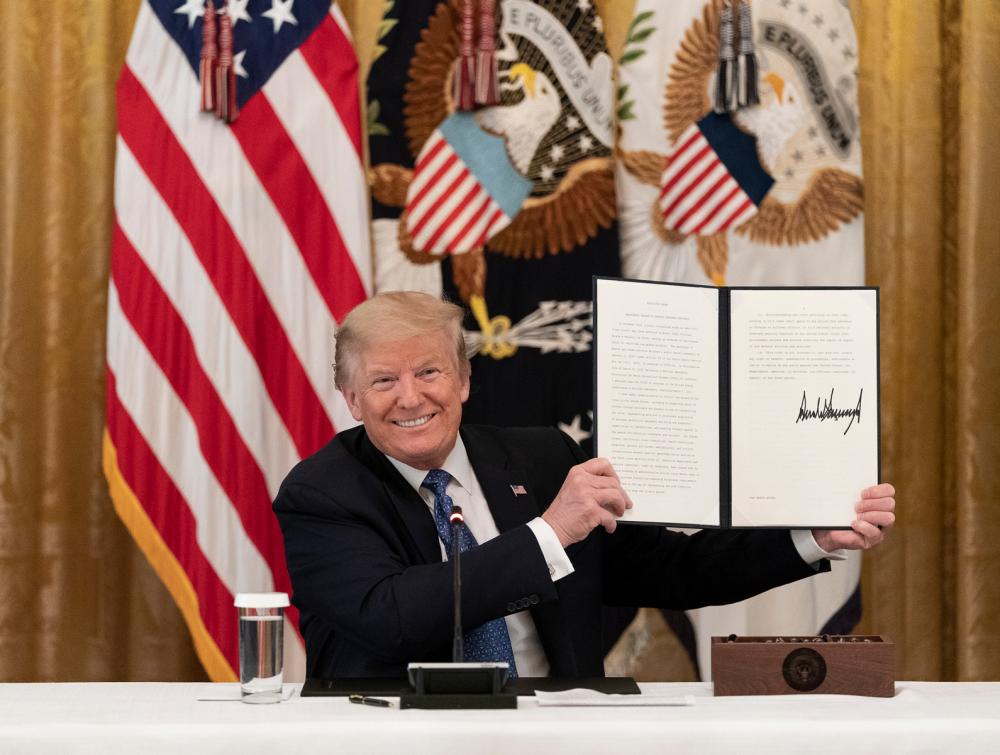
78, 601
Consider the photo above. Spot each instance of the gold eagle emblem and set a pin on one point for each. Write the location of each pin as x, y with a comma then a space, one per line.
804, 205
565, 208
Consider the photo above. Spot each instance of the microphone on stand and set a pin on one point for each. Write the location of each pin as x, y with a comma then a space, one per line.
457, 520
457, 684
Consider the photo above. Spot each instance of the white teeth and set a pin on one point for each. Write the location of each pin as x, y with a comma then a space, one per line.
413, 422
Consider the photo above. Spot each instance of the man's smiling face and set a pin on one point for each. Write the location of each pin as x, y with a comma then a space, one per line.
409, 395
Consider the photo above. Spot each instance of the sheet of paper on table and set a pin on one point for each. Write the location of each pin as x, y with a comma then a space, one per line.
591, 698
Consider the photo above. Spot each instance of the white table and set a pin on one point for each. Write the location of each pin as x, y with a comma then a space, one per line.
160, 717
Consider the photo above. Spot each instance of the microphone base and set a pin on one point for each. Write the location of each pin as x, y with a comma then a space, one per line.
472, 701
458, 686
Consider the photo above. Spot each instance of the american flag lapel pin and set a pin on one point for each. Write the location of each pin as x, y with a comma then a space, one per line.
518, 490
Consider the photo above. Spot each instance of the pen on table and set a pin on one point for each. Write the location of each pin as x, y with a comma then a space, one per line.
365, 700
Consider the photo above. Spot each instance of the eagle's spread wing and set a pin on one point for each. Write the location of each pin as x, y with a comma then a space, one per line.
646, 166
834, 197
427, 97
697, 59
389, 183
584, 200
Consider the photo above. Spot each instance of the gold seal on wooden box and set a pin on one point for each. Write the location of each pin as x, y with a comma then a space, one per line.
821, 665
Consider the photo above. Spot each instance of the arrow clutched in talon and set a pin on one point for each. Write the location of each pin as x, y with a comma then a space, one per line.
498, 341
556, 326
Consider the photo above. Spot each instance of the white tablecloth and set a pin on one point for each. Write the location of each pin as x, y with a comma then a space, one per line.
168, 718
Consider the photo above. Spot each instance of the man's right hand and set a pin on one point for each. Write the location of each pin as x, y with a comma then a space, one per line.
592, 495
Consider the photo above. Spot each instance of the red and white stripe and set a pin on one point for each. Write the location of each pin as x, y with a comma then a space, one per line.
236, 250
698, 195
447, 210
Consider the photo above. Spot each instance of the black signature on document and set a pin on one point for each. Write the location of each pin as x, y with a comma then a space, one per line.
826, 410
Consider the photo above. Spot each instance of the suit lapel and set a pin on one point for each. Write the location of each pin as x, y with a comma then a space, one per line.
418, 524
507, 489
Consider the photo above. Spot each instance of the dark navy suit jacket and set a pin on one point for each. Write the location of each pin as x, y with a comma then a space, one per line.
367, 576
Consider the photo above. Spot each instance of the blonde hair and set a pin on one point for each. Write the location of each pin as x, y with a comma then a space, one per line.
392, 316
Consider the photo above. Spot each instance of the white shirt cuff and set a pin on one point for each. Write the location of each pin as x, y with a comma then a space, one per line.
555, 556
810, 551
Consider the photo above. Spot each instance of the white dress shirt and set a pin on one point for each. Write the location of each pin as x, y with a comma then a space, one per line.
464, 490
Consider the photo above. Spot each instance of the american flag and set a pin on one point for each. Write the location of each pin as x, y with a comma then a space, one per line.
713, 180
236, 250
464, 190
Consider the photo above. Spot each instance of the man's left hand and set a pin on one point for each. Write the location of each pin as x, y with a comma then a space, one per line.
875, 516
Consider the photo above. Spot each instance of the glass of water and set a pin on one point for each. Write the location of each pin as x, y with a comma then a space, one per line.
261, 637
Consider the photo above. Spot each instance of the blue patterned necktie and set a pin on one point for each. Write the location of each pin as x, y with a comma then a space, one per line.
489, 642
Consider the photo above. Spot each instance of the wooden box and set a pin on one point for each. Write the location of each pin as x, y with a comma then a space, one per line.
831, 664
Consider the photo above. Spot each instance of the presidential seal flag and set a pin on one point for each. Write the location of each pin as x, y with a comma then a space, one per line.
504, 203
240, 240
808, 228
779, 79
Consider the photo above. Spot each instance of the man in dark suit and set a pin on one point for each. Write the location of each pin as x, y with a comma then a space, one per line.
366, 534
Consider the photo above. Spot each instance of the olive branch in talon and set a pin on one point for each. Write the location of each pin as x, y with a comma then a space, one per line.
638, 32
374, 107
384, 27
